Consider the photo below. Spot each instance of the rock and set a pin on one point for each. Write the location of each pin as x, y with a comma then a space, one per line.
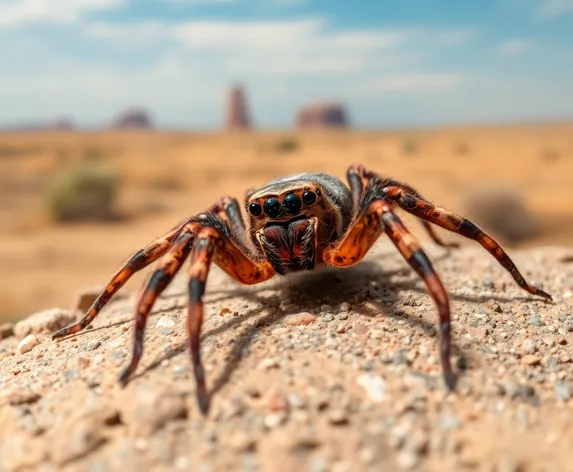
529, 346
530, 359
6, 330
27, 344
328, 317
374, 386
535, 321
46, 321
342, 316
338, 417
93, 345
268, 363
237, 113
274, 420
322, 115
225, 311
300, 319
133, 118
146, 408
165, 322
361, 329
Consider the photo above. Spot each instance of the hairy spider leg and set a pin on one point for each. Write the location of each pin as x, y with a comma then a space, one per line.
363, 232
458, 224
169, 265
359, 177
200, 264
138, 261
229, 210
214, 244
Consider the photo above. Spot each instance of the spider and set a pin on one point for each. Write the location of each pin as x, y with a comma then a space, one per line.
296, 223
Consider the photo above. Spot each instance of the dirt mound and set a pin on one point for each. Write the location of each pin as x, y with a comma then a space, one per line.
323, 371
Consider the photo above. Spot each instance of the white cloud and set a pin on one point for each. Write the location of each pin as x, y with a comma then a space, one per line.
181, 69
549, 9
514, 47
14, 13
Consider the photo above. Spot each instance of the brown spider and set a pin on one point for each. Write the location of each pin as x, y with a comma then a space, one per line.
295, 223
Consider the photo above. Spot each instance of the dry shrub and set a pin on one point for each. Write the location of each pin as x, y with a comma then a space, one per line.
502, 212
550, 155
409, 146
84, 194
287, 145
461, 148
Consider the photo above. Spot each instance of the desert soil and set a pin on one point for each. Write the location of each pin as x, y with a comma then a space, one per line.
329, 371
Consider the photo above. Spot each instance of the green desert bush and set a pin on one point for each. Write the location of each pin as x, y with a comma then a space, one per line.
409, 146
287, 145
87, 193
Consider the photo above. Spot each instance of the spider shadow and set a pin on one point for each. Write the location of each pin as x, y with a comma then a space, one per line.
309, 289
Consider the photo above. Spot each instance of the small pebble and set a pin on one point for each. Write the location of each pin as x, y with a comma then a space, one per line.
529, 346
268, 363
27, 344
342, 316
328, 317
93, 345
374, 386
338, 417
530, 359
300, 319
534, 321
165, 322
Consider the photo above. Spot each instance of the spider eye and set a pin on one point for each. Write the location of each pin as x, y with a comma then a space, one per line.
309, 197
272, 207
292, 203
255, 209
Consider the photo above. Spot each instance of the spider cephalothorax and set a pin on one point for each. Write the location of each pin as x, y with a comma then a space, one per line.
295, 223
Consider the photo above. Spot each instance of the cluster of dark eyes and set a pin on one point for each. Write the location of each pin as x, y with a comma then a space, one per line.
291, 204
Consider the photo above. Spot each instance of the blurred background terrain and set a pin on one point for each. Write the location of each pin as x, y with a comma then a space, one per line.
118, 120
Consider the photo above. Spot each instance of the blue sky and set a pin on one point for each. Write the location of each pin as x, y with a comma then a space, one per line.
412, 62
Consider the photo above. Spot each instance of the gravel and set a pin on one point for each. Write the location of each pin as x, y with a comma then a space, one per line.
329, 371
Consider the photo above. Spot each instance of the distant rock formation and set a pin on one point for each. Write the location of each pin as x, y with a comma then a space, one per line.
133, 118
237, 113
322, 115
62, 124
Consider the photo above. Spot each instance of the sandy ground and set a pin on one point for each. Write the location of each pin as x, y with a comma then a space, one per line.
331, 371
168, 176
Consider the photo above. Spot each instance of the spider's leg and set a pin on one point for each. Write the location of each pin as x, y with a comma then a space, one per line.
364, 231
138, 261
228, 209
359, 179
410, 249
168, 267
215, 244
458, 224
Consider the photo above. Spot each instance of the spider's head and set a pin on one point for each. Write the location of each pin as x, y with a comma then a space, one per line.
283, 204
